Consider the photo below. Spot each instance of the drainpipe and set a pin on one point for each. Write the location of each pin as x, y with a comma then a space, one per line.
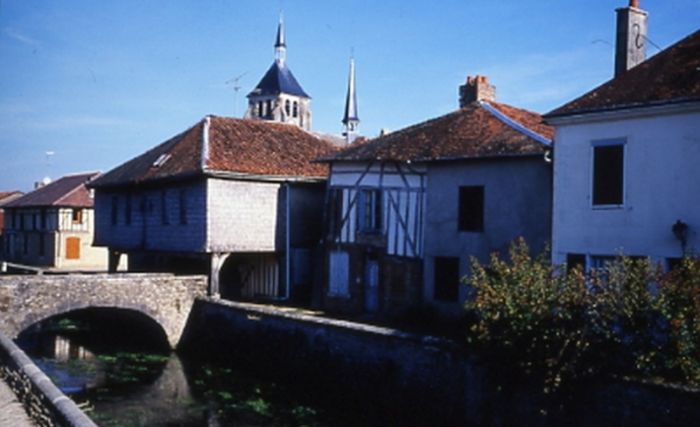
287, 239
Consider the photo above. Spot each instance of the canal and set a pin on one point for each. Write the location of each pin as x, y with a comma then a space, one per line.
127, 379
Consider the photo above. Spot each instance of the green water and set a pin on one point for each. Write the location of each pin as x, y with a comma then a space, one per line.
121, 384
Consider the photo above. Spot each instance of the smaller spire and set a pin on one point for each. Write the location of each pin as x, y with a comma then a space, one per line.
351, 118
280, 45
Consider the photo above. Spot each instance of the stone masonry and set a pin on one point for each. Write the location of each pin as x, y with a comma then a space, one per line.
166, 299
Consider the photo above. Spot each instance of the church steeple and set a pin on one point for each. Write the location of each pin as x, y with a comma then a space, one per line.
351, 119
278, 97
280, 45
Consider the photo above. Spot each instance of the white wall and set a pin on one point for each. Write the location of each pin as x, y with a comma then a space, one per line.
661, 186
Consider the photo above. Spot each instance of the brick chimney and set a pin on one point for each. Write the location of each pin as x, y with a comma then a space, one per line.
477, 88
631, 42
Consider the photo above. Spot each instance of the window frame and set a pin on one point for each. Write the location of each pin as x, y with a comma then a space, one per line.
623, 194
370, 211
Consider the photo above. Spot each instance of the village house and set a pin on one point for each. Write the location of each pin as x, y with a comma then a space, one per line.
5, 197
236, 199
407, 210
53, 226
626, 173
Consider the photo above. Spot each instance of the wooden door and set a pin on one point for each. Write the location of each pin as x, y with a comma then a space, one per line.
72, 248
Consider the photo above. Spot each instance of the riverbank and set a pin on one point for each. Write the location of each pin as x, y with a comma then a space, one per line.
399, 378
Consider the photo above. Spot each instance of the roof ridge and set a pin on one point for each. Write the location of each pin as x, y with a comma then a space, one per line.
509, 121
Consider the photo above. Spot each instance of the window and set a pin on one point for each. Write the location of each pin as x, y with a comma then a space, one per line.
339, 272
599, 262
77, 216
575, 260
115, 209
446, 279
287, 108
370, 210
260, 109
268, 108
295, 109
164, 208
127, 210
471, 208
608, 174
43, 219
183, 206
73, 248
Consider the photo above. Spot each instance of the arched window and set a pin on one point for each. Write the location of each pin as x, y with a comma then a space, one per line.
295, 112
260, 109
269, 108
286, 107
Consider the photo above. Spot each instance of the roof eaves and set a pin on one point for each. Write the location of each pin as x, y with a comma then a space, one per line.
515, 125
243, 176
631, 108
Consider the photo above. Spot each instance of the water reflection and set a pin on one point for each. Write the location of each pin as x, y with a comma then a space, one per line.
126, 387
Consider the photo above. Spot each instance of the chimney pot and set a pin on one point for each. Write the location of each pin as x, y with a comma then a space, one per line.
634, 3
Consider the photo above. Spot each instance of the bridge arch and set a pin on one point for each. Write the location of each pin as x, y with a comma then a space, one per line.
165, 298
149, 328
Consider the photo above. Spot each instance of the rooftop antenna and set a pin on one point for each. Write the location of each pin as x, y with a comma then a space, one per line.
236, 88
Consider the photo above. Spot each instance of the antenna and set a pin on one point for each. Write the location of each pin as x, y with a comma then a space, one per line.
236, 88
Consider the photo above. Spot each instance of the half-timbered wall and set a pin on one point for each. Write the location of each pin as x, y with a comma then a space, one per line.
400, 188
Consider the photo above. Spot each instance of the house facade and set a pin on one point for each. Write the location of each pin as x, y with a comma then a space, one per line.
625, 170
407, 210
236, 199
53, 226
5, 197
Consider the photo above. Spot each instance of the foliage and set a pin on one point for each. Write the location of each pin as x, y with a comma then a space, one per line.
555, 326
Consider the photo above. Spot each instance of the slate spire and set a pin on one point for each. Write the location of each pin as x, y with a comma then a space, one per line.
280, 45
351, 119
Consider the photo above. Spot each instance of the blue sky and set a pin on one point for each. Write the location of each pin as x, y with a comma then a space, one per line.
99, 82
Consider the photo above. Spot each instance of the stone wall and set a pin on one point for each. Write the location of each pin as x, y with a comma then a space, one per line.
43, 401
165, 298
407, 379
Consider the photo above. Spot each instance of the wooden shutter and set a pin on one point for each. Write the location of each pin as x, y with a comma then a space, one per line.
72, 248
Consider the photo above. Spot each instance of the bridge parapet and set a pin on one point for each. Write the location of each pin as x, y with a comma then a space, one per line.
165, 298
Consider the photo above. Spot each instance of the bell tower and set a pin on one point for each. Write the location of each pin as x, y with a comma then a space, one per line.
279, 97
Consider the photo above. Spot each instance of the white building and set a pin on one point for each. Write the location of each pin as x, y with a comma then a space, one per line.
626, 155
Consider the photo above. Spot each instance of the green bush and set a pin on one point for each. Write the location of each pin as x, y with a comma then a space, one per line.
556, 326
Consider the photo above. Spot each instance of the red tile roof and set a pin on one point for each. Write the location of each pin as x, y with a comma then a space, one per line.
671, 76
481, 129
7, 196
226, 145
67, 191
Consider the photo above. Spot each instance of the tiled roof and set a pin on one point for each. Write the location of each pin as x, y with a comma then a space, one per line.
226, 145
481, 129
67, 191
671, 76
7, 196
278, 79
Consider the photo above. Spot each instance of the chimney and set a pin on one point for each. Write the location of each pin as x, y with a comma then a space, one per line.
477, 88
631, 43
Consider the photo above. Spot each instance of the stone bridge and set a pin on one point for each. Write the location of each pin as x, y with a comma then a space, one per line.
165, 298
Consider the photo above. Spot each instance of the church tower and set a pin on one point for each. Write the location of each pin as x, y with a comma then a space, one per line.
279, 97
351, 119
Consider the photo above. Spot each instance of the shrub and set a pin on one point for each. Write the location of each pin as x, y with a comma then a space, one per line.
540, 322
